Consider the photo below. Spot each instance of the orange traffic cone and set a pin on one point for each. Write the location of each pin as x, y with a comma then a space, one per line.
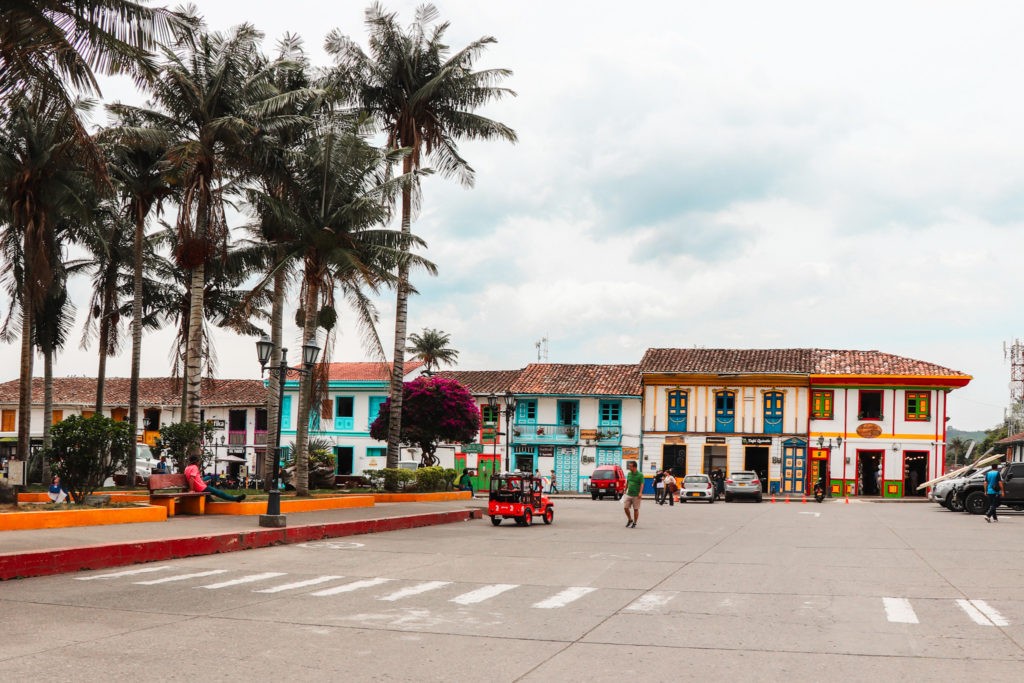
847, 500
773, 497
787, 500
804, 501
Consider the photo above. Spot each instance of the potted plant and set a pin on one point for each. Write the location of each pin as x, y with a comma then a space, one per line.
570, 431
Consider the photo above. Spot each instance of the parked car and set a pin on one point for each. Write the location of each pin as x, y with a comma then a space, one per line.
607, 480
145, 463
972, 493
743, 484
945, 492
697, 487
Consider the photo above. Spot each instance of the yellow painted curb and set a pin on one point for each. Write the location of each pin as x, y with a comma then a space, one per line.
259, 507
422, 497
54, 519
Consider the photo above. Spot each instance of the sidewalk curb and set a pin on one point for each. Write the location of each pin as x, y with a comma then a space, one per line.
60, 561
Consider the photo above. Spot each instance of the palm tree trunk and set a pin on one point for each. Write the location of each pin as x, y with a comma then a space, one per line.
194, 351
101, 371
47, 408
25, 385
133, 383
273, 425
305, 391
401, 323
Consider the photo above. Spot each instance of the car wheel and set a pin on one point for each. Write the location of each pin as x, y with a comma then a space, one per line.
527, 517
728, 498
600, 496
618, 496
1018, 508
954, 503
975, 503
711, 500
758, 499
549, 515
495, 520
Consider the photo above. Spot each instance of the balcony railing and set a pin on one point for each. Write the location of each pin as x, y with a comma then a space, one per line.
236, 438
545, 433
259, 437
608, 435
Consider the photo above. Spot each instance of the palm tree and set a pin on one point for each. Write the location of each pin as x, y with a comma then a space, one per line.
424, 97
49, 44
137, 164
44, 175
205, 93
431, 347
336, 199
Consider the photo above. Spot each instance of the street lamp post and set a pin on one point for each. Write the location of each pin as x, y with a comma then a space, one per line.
264, 348
510, 407
492, 404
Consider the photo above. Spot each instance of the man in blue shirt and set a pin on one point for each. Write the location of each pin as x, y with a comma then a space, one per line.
993, 490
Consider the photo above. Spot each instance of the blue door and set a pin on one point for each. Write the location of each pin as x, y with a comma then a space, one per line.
725, 411
567, 468
773, 403
677, 401
794, 466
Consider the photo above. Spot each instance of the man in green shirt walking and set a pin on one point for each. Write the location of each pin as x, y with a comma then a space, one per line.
634, 491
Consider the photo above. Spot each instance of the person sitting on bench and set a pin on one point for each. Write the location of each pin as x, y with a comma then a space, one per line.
196, 483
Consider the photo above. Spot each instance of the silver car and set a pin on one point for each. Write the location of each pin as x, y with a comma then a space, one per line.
743, 484
697, 487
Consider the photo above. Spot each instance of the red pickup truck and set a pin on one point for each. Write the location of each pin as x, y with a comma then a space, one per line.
607, 480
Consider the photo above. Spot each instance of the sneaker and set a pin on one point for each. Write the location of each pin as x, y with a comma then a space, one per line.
988, 519
633, 525
241, 497
994, 519
629, 523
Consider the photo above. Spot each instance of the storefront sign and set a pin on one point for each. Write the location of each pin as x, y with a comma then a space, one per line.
819, 454
869, 430
472, 448
546, 451
675, 440
630, 452
714, 439
757, 441
588, 434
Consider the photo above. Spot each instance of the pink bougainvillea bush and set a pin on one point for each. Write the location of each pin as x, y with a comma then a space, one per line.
434, 410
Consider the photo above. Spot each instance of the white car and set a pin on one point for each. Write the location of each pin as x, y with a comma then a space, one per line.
697, 487
145, 463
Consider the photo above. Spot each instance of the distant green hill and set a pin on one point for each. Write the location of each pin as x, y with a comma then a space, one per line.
952, 432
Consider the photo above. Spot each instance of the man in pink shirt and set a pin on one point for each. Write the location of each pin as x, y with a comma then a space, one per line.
195, 482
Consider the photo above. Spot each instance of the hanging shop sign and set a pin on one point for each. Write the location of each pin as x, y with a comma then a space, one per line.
869, 430
675, 440
757, 441
546, 451
714, 439
472, 448
588, 434
630, 452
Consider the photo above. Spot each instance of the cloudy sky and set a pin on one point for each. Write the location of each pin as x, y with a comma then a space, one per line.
735, 174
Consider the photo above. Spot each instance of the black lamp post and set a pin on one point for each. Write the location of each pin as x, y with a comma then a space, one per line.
264, 348
510, 407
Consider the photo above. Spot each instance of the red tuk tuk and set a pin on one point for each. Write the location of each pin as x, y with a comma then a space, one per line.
519, 496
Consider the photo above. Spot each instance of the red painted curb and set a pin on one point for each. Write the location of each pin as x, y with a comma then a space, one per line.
48, 562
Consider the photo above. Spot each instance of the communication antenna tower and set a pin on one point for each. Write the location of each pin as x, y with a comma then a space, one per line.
1015, 414
542, 349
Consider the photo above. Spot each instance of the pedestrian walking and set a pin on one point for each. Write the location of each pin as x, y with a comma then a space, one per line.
634, 492
670, 488
993, 491
554, 483
659, 487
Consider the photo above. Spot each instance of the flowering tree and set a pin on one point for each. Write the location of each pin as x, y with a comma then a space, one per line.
434, 410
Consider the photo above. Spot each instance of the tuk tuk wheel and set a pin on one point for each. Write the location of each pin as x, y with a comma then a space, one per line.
495, 520
593, 496
549, 515
527, 517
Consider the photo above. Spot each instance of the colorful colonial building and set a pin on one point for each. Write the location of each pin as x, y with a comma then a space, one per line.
866, 422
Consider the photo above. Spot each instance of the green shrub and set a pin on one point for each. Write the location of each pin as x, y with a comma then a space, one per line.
430, 479
86, 451
376, 479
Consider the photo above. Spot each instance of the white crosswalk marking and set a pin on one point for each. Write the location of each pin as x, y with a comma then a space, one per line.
485, 593
181, 577
982, 613
298, 584
564, 598
415, 590
116, 575
648, 602
349, 587
899, 611
245, 579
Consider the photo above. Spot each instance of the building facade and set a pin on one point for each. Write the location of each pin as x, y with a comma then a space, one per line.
864, 422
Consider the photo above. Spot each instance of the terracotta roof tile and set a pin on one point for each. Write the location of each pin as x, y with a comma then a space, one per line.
482, 382
153, 391
571, 379
788, 361
367, 372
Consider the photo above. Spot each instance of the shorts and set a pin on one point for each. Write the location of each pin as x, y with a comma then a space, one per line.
631, 502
